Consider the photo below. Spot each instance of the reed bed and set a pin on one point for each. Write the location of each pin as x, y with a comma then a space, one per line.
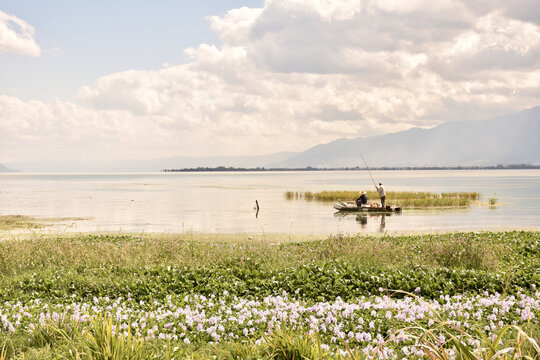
399, 198
10, 222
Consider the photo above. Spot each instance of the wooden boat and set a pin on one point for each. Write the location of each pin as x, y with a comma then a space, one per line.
352, 207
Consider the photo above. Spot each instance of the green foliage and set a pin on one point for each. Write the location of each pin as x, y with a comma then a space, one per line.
442, 340
336, 266
286, 344
67, 338
106, 342
52, 332
149, 269
80, 253
315, 282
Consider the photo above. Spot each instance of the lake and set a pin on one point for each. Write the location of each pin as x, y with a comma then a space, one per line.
224, 202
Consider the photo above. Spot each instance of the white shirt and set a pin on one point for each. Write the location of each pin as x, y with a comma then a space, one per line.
380, 189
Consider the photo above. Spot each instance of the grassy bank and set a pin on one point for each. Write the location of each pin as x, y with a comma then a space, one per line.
177, 296
403, 198
477, 251
340, 266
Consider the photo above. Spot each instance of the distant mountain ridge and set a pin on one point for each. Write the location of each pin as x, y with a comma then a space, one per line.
504, 140
5, 169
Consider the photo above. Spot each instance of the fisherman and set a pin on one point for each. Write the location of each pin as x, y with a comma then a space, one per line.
362, 200
382, 194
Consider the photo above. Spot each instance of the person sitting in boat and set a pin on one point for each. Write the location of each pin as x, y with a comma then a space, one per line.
362, 200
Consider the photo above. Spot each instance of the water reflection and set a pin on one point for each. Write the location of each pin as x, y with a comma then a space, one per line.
364, 218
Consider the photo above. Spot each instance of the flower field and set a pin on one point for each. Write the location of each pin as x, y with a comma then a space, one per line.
367, 325
244, 303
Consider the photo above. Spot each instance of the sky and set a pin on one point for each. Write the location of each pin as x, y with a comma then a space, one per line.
105, 80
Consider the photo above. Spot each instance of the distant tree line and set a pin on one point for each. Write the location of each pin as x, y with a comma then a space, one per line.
355, 168
223, 168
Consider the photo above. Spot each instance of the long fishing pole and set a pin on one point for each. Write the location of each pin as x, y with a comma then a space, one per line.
367, 167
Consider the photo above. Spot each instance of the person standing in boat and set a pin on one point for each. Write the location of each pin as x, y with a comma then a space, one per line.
362, 200
382, 194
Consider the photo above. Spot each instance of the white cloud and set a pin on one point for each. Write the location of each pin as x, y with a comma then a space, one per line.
17, 36
494, 42
297, 73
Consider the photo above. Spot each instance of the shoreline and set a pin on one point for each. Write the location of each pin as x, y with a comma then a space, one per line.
240, 237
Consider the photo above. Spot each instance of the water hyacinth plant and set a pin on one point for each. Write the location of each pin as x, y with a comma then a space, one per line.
382, 325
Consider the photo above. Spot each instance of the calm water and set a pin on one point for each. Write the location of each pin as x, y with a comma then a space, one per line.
224, 202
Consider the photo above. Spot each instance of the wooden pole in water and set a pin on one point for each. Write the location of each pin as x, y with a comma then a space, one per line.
257, 207
368, 170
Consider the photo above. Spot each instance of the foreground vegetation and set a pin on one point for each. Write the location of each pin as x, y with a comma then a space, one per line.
174, 296
404, 198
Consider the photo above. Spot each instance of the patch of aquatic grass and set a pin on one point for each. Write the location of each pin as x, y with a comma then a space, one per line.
433, 202
11, 222
492, 201
403, 198
467, 195
21, 222
289, 195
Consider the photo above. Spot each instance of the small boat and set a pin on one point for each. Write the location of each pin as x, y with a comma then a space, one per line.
352, 207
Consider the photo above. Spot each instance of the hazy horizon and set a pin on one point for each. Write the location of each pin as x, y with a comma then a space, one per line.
102, 81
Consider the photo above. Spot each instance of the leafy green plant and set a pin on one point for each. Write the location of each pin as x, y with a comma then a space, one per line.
52, 332
106, 342
4, 352
287, 344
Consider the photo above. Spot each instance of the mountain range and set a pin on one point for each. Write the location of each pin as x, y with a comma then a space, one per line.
512, 139
504, 140
5, 169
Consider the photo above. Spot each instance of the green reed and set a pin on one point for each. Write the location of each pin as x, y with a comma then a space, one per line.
399, 198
